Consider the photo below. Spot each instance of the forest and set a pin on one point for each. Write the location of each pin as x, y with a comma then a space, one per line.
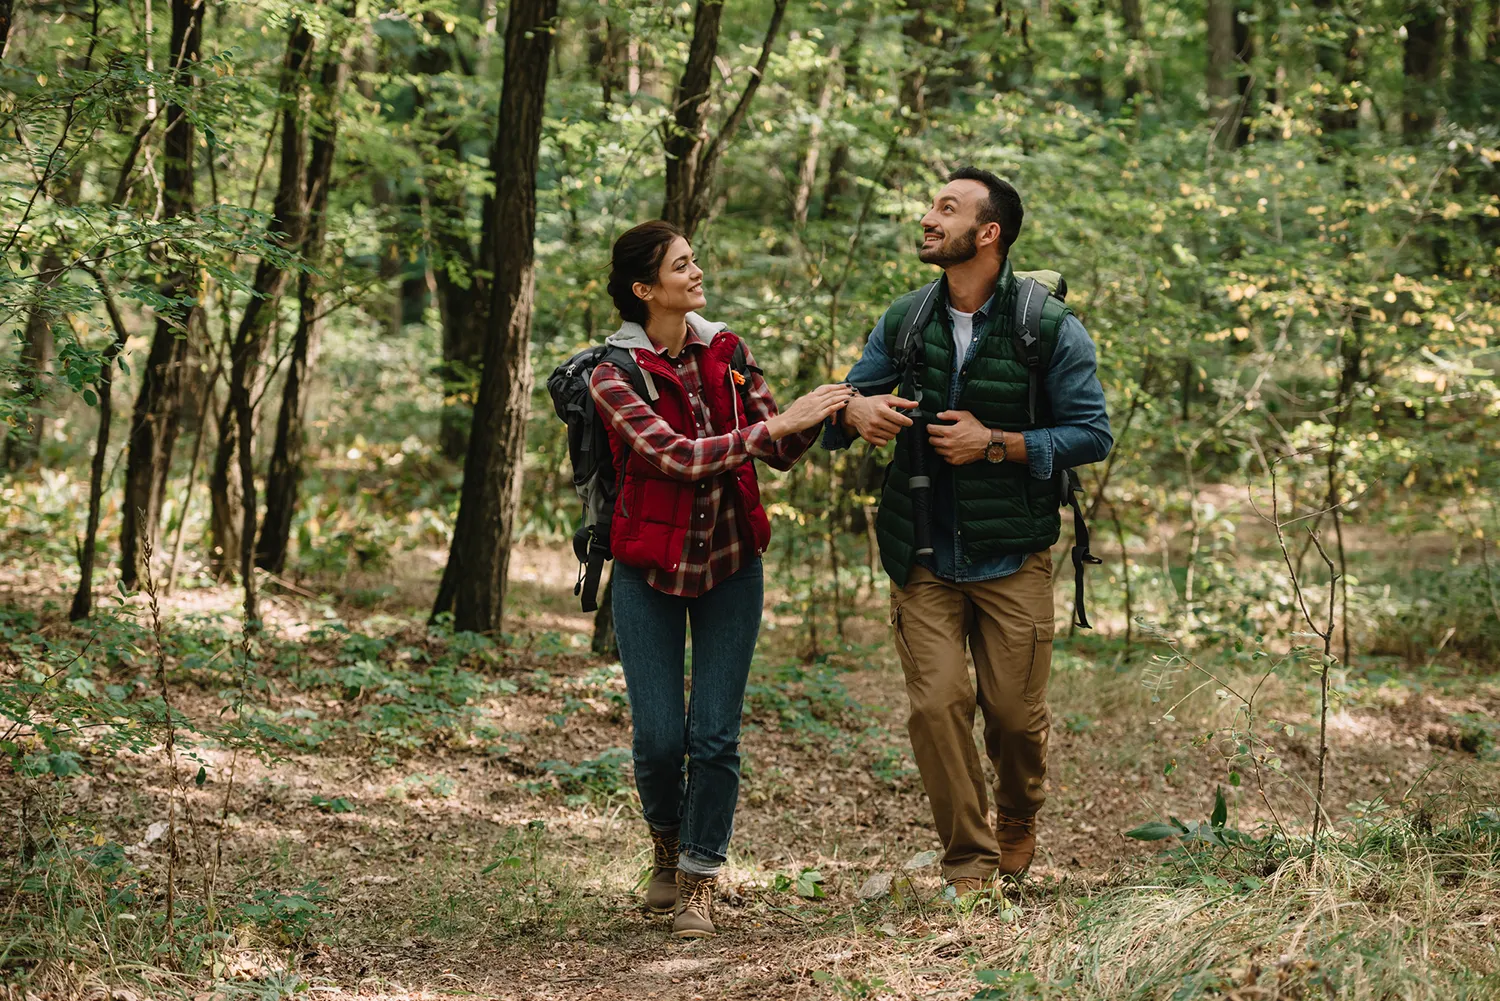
296, 697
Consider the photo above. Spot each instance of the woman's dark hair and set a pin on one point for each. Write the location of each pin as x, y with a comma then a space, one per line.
637, 257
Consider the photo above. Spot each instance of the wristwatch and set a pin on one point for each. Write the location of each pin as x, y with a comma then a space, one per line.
995, 450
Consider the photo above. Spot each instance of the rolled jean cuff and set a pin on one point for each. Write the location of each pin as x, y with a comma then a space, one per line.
702, 856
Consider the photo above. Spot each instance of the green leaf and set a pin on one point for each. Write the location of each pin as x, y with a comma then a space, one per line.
90, 398
1221, 810
1154, 831
201, 777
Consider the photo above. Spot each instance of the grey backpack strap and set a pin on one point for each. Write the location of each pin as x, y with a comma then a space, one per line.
1031, 297
916, 318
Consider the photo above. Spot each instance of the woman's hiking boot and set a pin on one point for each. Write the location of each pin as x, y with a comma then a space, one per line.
661, 890
695, 897
1017, 837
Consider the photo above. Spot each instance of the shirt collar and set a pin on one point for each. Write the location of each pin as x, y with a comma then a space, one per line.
1001, 283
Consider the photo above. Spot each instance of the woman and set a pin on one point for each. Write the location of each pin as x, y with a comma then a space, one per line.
687, 535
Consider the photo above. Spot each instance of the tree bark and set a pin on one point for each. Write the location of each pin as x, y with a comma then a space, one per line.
1422, 67
1135, 30
473, 586
23, 443
692, 158
1220, 67
6, 7
284, 475
234, 529
83, 597
1244, 55
807, 174
604, 642
155, 421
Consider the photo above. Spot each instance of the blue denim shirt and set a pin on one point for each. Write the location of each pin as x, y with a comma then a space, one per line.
1079, 436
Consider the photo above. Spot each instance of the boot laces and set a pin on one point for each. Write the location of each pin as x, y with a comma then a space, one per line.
665, 847
701, 895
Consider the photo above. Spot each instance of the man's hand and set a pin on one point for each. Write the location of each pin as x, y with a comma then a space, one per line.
961, 442
878, 419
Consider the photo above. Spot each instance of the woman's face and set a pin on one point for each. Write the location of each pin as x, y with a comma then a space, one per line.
679, 282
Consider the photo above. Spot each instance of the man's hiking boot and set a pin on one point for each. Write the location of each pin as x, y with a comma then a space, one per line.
1017, 837
661, 890
964, 887
695, 897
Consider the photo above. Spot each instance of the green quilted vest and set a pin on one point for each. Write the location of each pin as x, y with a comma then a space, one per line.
1002, 508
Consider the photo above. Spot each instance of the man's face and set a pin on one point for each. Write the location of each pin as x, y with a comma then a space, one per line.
951, 229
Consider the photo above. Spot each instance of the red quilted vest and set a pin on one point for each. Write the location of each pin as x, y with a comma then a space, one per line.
652, 512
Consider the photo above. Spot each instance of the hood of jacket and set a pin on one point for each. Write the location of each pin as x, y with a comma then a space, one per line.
633, 336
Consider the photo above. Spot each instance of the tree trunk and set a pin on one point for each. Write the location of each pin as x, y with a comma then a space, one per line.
23, 443
1220, 68
604, 643
158, 405
284, 476
1244, 54
692, 158
5, 18
83, 598
687, 131
1422, 67
1135, 64
473, 586
463, 301
807, 175
234, 531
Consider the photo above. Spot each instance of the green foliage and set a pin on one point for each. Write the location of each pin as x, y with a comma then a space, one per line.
599, 778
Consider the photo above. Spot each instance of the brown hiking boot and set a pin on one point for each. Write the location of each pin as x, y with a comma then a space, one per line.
1017, 837
661, 890
964, 887
695, 896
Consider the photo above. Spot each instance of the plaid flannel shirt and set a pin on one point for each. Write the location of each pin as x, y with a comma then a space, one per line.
715, 549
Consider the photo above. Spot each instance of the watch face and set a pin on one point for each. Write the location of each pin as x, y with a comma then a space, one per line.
994, 452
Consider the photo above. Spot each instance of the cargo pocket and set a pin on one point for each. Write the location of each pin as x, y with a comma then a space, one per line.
908, 663
1041, 662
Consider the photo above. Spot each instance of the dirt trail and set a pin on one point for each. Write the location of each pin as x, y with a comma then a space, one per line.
828, 786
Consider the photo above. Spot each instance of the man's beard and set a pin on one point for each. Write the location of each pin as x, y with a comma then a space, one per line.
953, 250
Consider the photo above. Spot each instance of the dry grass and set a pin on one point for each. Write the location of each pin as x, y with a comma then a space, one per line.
1400, 904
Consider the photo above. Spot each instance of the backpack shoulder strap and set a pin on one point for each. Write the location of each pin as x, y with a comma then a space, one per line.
910, 333
740, 362
624, 360
1031, 300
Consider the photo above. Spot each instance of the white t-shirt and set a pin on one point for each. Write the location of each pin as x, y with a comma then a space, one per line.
963, 334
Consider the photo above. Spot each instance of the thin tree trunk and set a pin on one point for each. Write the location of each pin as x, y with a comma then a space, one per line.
1220, 68
1422, 67
5, 18
473, 586
687, 131
692, 158
235, 529
605, 643
808, 173
23, 443
1244, 55
1135, 64
83, 598
284, 476
155, 420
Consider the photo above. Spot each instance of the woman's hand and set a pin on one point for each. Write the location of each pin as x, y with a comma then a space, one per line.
810, 410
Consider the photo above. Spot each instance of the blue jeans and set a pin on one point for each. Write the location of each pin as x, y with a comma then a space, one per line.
651, 629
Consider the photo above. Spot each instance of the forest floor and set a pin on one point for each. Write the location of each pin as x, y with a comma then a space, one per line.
501, 858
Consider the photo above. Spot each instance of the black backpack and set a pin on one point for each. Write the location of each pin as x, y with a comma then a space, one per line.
1031, 296
595, 476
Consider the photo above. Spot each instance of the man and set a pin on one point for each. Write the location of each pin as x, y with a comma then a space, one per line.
993, 516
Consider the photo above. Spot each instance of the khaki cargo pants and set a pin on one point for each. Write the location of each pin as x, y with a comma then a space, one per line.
1007, 624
